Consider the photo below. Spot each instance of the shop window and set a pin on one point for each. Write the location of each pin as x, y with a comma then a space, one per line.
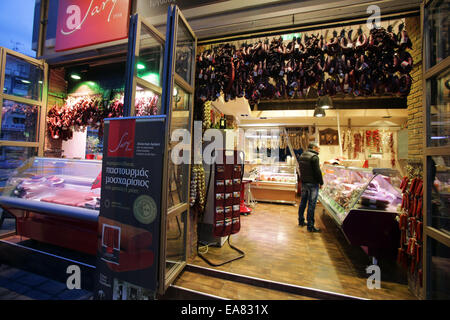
23, 79
181, 100
437, 31
184, 53
176, 236
439, 189
148, 103
19, 122
438, 109
12, 158
150, 61
439, 266
178, 174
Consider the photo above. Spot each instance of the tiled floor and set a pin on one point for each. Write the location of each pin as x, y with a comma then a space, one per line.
16, 284
278, 249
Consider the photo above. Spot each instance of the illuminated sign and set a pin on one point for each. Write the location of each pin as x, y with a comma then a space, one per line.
83, 23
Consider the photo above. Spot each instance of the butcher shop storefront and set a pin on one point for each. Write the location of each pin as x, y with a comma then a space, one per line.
90, 127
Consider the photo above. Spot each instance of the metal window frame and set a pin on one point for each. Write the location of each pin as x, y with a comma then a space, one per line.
171, 78
41, 103
132, 80
428, 152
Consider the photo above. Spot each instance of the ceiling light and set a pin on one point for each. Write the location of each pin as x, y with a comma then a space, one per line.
325, 102
140, 66
75, 76
319, 112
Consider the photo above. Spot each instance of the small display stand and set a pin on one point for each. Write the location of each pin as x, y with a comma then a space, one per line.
227, 188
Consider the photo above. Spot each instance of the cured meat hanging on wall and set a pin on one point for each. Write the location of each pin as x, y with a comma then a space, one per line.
347, 63
91, 111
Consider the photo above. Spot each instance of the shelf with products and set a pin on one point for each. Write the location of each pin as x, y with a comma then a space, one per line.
364, 203
56, 201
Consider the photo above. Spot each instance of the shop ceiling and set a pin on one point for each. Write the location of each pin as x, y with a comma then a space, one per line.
221, 20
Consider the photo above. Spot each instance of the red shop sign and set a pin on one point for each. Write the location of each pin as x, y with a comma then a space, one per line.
83, 23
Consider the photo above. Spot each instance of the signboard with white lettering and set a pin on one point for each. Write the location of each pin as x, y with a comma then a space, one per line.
83, 23
130, 212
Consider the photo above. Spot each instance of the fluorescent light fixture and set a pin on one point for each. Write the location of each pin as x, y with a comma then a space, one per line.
25, 81
438, 138
75, 76
262, 137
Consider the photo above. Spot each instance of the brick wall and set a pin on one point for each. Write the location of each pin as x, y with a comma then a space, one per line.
415, 112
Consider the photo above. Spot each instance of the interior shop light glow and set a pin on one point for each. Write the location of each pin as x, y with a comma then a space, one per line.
152, 78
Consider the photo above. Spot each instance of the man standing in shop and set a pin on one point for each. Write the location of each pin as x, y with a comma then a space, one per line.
311, 178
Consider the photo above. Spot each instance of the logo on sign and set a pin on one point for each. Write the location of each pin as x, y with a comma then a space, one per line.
74, 22
87, 22
121, 139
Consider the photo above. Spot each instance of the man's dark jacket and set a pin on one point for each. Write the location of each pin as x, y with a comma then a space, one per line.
310, 167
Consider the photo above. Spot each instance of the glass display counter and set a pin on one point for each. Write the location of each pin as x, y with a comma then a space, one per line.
364, 204
275, 183
56, 201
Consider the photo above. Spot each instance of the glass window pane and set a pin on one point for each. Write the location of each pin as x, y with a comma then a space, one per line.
176, 239
184, 53
179, 174
12, 158
437, 31
148, 103
439, 281
23, 79
150, 61
439, 183
438, 99
20, 122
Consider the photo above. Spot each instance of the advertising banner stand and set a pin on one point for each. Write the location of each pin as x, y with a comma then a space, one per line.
130, 212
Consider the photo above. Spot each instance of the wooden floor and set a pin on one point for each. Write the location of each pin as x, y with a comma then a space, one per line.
277, 249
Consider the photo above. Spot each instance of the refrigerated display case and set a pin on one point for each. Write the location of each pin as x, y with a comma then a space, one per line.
56, 201
275, 183
364, 204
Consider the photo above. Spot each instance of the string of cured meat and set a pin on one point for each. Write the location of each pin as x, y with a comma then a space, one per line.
411, 225
349, 63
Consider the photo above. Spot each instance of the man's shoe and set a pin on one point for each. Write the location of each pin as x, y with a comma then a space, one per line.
302, 224
314, 229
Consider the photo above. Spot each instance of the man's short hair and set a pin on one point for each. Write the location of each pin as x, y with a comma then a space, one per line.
313, 145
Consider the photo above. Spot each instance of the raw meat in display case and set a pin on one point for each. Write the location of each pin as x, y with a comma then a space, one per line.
364, 204
56, 201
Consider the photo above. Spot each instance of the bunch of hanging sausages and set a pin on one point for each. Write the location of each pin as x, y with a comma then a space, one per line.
348, 63
80, 112
411, 226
